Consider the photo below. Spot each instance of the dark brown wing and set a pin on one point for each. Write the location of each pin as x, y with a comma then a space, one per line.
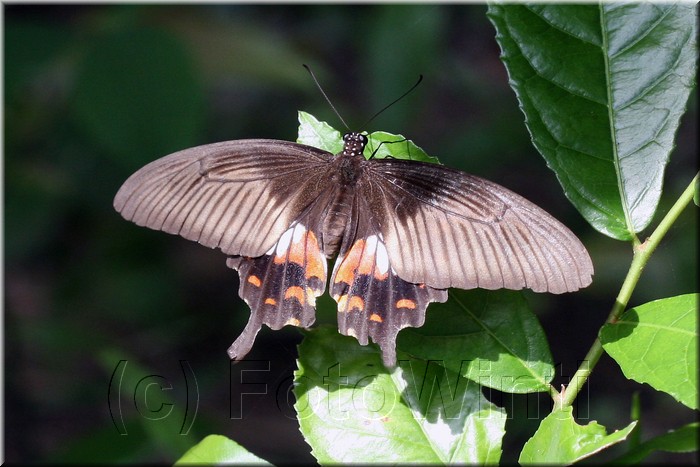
373, 301
446, 229
239, 196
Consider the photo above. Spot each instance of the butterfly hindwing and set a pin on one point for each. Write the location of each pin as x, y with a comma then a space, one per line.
281, 286
373, 301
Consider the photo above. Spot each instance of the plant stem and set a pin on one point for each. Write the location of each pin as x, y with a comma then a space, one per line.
642, 253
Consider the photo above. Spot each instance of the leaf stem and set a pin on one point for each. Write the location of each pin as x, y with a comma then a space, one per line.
642, 253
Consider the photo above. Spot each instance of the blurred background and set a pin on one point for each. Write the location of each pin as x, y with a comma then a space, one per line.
92, 93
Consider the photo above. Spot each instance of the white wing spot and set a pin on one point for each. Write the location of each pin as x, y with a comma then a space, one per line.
299, 231
382, 258
370, 245
284, 242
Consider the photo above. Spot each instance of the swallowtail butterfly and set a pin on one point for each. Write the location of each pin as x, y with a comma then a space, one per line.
401, 232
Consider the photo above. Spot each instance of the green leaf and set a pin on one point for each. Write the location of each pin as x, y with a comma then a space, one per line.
560, 440
318, 134
657, 343
138, 95
381, 144
635, 416
217, 449
684, 439
350, 409
491, 337
602, 87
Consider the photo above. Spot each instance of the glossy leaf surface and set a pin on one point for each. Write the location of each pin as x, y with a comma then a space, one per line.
491, 337
351, 409
560, 440
217, 449
657, 343
602, 87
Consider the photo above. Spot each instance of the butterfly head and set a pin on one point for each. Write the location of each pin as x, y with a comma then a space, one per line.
354, 144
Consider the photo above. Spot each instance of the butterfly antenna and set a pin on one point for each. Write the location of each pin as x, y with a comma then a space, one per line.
420, 78
318, 85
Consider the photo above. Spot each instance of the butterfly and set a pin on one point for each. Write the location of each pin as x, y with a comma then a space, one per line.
402, 232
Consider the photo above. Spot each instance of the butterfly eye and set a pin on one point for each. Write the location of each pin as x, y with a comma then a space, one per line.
346, 136
363, 139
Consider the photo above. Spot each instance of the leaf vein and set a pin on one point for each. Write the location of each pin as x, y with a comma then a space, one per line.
643, 35
652, 86
522, 360
560, 29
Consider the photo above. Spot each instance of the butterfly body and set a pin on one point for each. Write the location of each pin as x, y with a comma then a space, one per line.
346, 168
402, 232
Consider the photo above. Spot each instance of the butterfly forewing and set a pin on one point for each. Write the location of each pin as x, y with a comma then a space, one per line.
446, 228
239, 196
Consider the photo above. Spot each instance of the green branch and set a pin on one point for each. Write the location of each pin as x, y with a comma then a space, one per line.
642, 253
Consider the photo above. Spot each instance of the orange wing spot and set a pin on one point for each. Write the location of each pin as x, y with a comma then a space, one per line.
255, 280
375, 317
295, 292
406, 303
270, 301
367, 265
346, 270
293, 322
358, 261
280, 259
379, 276
315, 263
356, 302
421, 286
298, 251
307, 254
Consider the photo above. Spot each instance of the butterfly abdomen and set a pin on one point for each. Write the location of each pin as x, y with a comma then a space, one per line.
338, 211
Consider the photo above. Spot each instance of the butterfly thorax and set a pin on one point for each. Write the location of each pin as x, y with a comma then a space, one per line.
354, 144
347, 169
